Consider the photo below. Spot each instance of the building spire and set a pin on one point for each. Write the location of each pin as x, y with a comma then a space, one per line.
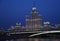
34, 6
34, 3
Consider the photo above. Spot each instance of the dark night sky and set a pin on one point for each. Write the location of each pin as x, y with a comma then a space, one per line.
12, 11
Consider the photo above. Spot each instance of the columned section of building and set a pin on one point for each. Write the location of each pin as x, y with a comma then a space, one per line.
33, 21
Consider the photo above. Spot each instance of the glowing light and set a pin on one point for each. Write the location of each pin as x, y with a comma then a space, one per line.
34, 8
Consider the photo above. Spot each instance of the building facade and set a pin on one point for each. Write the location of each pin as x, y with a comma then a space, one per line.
33, 21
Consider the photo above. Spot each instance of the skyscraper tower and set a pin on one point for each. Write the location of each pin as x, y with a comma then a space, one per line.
33, 22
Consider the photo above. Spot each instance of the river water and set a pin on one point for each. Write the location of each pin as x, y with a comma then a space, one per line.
29, 39
33, 39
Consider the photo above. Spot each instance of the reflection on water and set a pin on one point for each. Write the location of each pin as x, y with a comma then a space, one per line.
33, 39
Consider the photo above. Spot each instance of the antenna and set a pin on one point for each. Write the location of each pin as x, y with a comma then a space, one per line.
34, 3
34, 6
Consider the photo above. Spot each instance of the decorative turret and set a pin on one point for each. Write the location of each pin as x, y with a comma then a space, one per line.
17, 24
47, 24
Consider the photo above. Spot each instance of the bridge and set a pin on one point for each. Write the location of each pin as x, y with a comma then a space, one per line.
35, 34
24, 32
39, 34
45, 32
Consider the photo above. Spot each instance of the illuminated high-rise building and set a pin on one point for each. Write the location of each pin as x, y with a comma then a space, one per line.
33, 21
